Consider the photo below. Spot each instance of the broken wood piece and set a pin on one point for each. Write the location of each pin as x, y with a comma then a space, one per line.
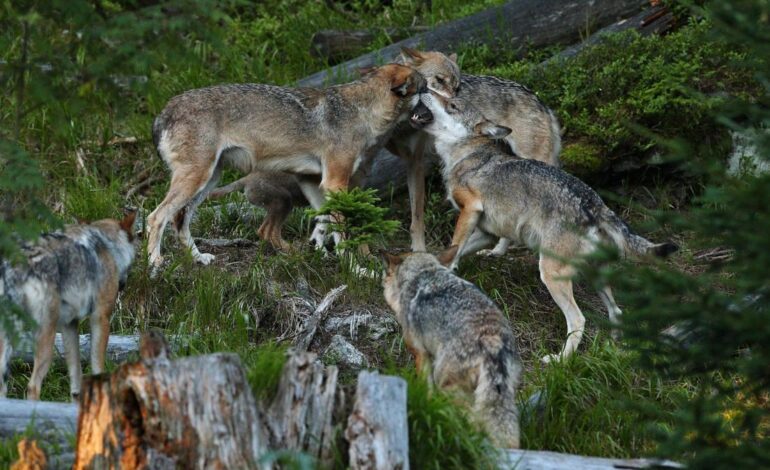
301, 414
224, 242
516, 25
193, 412
377, 428
545, 460
312, 322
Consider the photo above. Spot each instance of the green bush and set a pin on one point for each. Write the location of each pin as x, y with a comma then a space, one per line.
720, 308
670, 85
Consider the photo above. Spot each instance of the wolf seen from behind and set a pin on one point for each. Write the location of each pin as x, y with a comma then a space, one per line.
459, 338
67, 276
525, 200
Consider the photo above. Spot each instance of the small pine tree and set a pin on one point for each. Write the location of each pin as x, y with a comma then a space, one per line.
362, 221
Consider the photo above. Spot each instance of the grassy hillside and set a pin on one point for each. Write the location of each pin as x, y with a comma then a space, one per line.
250, 300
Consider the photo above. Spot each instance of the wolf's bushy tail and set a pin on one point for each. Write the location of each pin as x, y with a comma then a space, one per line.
222, 191
628, 242
495, 400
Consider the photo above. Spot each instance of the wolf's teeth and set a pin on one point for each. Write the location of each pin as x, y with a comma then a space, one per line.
415, 117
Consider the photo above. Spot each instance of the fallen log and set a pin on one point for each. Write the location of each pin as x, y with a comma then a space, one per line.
51, 424
377, 428
517, 24
300, 416
192, 412
120, 348
655, 20
545, 460
334, 46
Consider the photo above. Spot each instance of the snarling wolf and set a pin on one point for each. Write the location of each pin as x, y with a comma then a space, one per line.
525, 200
534, 128
68, 275
460, 340
307, 131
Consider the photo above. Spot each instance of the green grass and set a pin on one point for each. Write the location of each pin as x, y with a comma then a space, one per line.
243, 303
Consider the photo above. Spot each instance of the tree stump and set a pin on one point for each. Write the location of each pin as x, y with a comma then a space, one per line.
377, 428
195, 412
301, 415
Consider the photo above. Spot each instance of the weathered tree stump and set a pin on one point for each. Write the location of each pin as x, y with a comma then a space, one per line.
301, 415
377, 428
195, 412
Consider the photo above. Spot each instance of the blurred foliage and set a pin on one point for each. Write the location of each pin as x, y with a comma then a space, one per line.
720, 308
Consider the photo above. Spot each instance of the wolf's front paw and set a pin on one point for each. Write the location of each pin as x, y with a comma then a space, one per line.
549, 358
205, 258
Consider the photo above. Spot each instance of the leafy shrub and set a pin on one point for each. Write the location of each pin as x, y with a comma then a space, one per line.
719, 310
363, 219
670, 85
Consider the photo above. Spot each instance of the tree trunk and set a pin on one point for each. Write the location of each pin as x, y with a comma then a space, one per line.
655, 20
334, 46
517, 25
377, 428
301, 415
192, 412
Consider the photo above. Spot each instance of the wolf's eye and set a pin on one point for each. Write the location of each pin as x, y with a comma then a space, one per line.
440, 80
453, 107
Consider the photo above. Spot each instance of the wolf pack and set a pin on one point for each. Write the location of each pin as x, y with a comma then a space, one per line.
498, 145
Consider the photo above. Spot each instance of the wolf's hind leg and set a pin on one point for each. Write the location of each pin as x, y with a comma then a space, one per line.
100, 324
47, 317
5, 356
187, 182
184, 217
614, 312
557, 277
72, 357
479, 240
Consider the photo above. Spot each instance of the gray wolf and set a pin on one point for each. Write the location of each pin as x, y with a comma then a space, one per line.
277, 191
307, 131
525, 200
460, 340
69, 275
535, 132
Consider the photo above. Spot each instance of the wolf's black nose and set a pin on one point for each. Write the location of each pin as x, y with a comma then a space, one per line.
423, 88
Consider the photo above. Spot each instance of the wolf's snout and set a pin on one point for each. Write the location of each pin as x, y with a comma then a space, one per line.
421, 116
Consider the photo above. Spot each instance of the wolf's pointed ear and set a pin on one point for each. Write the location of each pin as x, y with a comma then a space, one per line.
411, 56
492, 130
453, 57
447, 256
391, 260
400, 86
82, 221
127, 224
365, 70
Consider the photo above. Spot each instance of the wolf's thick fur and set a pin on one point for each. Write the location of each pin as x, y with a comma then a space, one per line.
535, 132
277, 191
526, 200
459, 338
69, 275
262, 127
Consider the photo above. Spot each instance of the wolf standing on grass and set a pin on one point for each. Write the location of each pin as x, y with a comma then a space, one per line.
262, 127
69, 275
459, 338
525, 200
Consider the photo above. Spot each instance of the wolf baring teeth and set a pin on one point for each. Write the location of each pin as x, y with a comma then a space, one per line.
68, 275
551, 211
